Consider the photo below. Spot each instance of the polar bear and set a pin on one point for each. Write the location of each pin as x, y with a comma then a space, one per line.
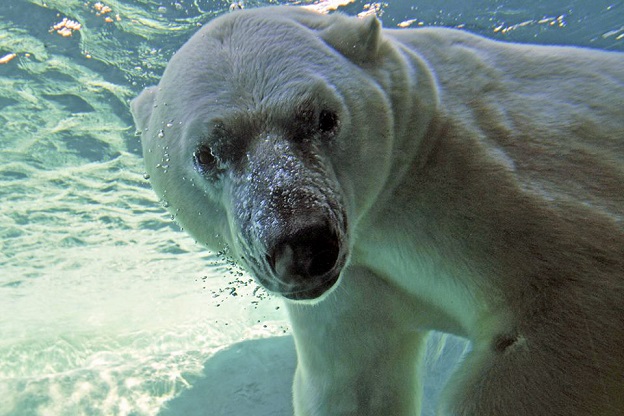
387, 183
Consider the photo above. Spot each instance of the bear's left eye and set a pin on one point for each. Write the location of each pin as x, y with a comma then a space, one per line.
327, 122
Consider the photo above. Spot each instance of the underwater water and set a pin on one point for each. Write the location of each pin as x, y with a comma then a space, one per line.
106, 306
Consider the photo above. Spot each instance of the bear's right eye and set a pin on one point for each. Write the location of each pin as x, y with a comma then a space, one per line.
205, 160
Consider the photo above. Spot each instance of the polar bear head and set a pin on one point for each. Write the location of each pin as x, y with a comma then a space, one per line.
270, 134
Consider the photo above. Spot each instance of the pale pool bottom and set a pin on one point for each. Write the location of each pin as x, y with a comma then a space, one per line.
254, 378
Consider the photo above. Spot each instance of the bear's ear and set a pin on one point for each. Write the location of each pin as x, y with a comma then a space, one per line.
355, 38
142, 106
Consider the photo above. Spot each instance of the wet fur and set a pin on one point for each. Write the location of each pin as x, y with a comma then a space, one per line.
479, 186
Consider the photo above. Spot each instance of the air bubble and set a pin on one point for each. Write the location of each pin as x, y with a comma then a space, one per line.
163, 166
146, 176
161, 134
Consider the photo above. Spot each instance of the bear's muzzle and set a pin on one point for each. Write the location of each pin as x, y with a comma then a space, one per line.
308, 262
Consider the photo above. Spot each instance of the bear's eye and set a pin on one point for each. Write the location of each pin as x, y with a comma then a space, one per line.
204, 159
327, 121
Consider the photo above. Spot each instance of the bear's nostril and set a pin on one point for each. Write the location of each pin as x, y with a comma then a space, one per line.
309, 253
323, 257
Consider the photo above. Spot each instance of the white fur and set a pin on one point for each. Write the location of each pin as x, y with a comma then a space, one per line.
484, 187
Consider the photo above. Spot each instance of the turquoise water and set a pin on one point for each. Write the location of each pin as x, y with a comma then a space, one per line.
106, 307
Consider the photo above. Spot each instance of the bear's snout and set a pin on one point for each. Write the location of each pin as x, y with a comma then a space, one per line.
307, 261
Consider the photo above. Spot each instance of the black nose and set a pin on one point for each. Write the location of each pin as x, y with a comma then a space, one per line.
306, 255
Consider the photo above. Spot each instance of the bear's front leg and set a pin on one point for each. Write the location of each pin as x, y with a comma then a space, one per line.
356, 356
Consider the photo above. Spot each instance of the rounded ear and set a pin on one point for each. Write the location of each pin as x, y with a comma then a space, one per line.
357, 39
142, 106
